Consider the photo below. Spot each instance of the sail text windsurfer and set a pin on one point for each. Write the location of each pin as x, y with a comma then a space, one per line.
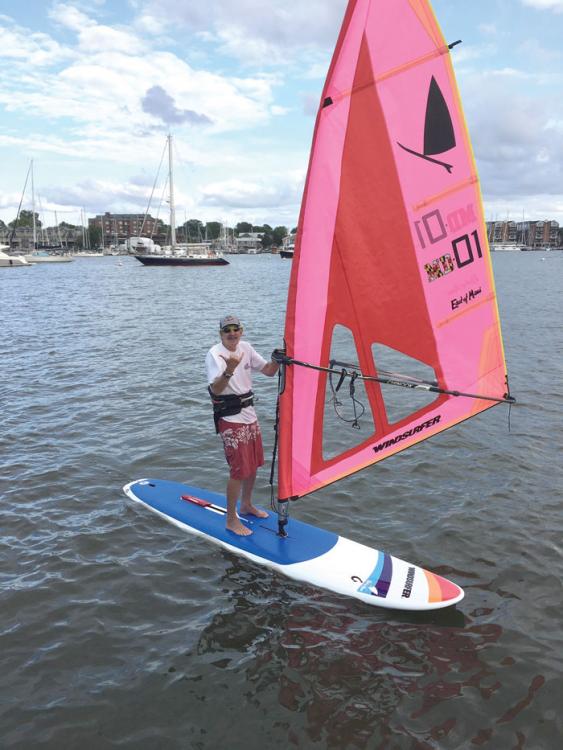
229, 367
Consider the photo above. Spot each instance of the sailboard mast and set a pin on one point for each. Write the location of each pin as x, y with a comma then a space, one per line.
391, 249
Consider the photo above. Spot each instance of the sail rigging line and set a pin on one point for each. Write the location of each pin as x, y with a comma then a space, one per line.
355, 421
506, 399
13, 232
152, 191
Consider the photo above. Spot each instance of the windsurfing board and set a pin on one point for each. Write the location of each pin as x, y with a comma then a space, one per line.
308, 553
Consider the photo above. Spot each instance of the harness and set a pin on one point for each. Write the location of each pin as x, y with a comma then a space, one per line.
229, 405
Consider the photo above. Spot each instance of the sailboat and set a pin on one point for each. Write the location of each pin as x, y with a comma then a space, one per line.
11, 261
176, 254
391, 301
288, 246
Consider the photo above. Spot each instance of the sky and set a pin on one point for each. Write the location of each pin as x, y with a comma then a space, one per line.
89, 90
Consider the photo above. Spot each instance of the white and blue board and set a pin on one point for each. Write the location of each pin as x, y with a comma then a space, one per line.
307, 554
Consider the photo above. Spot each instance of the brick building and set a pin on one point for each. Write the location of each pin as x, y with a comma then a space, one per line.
119, 227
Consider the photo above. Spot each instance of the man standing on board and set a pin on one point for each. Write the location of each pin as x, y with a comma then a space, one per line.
229, 367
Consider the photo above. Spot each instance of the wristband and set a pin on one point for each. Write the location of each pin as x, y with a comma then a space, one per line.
227, 374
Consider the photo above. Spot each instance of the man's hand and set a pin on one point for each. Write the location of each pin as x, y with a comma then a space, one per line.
232, 363
279, 356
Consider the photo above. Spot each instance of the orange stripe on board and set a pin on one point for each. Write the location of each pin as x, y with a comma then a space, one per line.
434, 590
440, 589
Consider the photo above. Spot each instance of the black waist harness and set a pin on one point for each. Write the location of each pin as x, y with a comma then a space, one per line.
229, 405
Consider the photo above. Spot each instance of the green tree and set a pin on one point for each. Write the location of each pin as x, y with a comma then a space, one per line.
95, 236
213, 230
278, 234
242, 228
25, 219
194, 230
266, 240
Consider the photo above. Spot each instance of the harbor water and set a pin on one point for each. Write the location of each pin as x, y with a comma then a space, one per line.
118, 630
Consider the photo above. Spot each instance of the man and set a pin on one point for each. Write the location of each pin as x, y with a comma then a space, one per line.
229, 367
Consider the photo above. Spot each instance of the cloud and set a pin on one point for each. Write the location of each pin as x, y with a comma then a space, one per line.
274, 192
555, 5
270, 33
517, 134
28, 50
159, 103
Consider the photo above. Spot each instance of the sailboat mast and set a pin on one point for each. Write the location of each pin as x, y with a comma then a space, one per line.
33, 208
172, 208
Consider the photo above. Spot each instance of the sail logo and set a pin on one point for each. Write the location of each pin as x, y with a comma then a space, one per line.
407, 434
439, 135
465, 298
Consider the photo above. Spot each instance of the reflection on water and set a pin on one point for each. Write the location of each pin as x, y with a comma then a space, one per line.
346, 677
119, 630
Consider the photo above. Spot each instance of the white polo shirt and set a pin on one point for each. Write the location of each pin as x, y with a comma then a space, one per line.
241, 381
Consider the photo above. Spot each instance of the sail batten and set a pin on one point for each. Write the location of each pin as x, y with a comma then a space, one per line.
391, 248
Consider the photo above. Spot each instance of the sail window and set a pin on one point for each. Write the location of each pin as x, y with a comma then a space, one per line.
347, 420
402, 401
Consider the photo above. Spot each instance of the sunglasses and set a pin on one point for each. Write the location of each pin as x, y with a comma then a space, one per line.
231, 329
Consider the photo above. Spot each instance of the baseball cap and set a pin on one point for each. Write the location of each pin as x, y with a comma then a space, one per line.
229, 320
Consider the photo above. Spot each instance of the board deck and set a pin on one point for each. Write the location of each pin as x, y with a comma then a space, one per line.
308, 553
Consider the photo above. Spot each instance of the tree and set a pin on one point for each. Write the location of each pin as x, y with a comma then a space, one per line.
25, 219
243, 227
194, 230
278, 234
95, 236
213, 230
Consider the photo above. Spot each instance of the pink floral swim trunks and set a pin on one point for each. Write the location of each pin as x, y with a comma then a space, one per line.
243, 447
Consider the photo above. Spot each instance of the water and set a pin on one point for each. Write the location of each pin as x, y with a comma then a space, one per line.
118, 630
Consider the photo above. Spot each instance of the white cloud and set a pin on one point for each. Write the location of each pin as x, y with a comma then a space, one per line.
27, 49
256, 31
555, 5
107, 74
273, 192
70, 17
517, 143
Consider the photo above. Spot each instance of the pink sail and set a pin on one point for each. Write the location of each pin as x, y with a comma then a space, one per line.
391, 247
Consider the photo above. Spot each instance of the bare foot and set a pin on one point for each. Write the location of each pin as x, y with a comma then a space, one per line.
252, 511
238, 528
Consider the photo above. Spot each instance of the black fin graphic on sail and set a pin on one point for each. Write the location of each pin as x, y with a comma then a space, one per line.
439, 133
438, 129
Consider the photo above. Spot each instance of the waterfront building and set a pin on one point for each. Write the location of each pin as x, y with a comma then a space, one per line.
528, 234
249, 242
538, 234
117, 228
501, 232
